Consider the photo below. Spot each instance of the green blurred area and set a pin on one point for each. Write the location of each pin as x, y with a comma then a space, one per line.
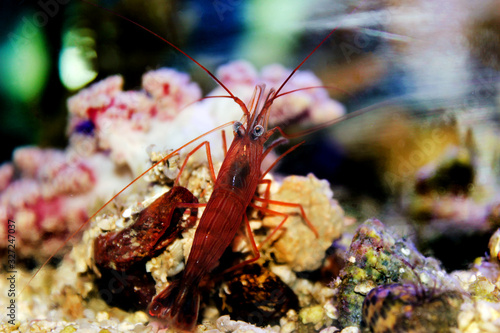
49, 50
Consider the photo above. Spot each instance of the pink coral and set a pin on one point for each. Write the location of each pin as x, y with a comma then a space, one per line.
170, 90
105, 118
122, 123
45, 202
88, 102
311, 103
238, 73
6, 173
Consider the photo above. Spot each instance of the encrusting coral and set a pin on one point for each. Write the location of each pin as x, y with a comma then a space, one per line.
378, 257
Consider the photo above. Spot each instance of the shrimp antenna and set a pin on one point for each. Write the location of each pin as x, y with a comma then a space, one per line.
236, 99
340, 119
309, 55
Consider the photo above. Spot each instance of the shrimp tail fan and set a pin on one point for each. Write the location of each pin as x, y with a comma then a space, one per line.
178, 305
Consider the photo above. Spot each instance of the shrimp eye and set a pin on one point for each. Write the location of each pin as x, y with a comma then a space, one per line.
257, 131
238, 128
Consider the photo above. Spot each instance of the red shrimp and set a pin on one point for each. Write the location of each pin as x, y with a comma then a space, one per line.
233, 191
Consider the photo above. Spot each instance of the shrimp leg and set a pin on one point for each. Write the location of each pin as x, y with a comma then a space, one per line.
209, 158
267, 192
286, 215
255, 249
224, 142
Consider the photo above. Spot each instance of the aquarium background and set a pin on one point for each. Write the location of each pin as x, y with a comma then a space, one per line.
442, 55
406, 200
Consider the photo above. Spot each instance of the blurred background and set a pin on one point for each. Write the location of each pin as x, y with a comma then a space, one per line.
443, 55
435, 64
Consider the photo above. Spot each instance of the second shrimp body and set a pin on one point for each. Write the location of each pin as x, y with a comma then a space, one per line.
239, 176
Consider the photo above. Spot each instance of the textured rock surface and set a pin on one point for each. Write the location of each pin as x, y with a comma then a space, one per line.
378, 257
297, 245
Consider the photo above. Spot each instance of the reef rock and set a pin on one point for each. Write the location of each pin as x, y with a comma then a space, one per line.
297, 245
378, 257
